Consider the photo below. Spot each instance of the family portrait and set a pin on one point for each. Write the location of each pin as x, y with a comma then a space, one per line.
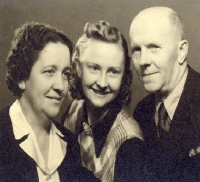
100, 91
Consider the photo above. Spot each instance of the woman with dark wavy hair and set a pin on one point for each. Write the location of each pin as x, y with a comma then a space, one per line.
33, 147
110, 140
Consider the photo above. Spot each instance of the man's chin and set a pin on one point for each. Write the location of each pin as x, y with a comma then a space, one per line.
150, 89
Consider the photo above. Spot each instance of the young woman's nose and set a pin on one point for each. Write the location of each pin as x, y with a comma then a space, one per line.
102, 80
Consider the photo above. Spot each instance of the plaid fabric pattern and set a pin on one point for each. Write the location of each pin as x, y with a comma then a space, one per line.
123, 128
88, 155
73, 119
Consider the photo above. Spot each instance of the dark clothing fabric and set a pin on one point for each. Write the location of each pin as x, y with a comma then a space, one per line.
17, 166
101, 129
130, 161
169, 159
121, 145
130, 156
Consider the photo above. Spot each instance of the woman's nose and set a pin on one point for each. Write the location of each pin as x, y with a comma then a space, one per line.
102, 81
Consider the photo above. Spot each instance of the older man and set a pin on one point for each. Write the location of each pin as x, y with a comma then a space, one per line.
169, 115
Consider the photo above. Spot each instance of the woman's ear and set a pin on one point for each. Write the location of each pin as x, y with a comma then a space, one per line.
22, 85
183, 51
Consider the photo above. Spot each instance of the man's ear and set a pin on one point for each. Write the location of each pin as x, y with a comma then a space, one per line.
183, 51
22, 85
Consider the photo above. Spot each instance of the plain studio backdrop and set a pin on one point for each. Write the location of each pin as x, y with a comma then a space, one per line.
71, 16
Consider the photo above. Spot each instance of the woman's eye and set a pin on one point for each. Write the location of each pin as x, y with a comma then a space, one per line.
66, 74
113, 72
93, 68
49, 72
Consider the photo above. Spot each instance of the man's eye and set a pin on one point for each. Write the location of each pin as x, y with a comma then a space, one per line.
136, 49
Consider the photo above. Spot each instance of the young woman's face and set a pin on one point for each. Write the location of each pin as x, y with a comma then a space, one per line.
102, 66
47, 85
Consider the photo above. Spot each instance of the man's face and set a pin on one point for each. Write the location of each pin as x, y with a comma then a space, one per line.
154, 52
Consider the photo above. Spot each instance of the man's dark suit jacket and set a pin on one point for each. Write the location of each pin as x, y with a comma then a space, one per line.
170, 160
17, 166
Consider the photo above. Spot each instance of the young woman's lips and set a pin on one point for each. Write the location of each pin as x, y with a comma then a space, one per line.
54, 98
99, 92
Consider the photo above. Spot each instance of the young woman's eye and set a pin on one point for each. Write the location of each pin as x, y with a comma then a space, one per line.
93, 68
113, 72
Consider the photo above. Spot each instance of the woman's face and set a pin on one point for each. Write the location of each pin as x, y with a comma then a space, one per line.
47, 85
102, 66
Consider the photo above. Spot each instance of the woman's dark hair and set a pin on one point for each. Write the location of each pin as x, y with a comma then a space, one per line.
103, 31
28, 41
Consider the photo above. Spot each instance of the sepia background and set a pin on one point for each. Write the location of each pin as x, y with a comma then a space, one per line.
71, 16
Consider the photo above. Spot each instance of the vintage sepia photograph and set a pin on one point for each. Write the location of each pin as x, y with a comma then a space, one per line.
100, 90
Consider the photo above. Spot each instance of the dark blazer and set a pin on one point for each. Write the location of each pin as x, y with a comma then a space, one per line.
17, 166
169, 160
130, 161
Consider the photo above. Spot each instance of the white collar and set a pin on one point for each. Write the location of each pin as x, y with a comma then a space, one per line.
57, 146
173, 98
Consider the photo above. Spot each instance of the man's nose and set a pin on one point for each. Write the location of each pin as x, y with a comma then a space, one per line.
144, 58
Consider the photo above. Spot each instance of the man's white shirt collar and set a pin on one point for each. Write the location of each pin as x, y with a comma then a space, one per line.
173, 98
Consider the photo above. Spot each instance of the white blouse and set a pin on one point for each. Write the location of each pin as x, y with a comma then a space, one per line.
57, 146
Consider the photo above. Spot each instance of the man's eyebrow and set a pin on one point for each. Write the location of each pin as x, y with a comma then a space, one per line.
135, 48
152, 45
